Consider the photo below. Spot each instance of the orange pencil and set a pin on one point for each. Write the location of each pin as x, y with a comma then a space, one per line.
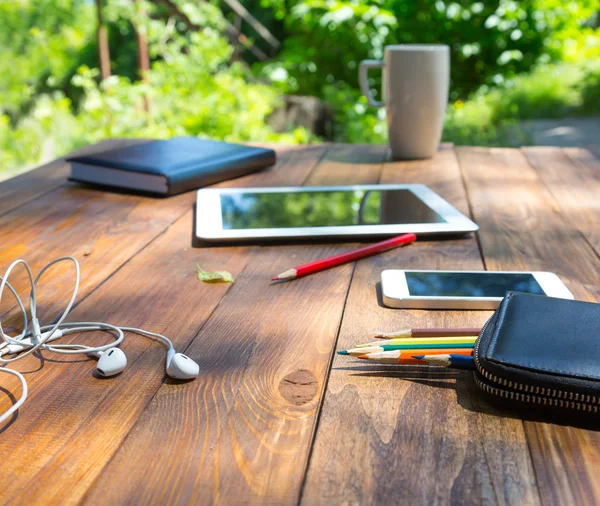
406, 357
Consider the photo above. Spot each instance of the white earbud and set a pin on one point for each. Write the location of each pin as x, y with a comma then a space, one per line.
111, 362
111, 359
181, 367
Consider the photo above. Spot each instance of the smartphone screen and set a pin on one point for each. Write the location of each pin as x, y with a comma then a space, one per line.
469, 284
332, 208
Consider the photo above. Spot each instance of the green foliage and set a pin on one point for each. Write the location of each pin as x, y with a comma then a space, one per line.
490, 41
547, 92
590, 92
50, 129
475, 122
494, 117
355, 121
574, 27
51, 100
191, 89
39, 40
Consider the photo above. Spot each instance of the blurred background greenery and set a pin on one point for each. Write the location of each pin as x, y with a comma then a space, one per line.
211, 73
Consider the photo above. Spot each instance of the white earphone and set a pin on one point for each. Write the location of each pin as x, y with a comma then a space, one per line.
181, 367
111, 362
111, 359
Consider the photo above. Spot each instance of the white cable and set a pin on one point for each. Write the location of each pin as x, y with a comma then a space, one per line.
6, 338
39, 337
20, 402
152, 334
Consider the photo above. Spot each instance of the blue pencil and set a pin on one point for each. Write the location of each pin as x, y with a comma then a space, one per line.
450, 361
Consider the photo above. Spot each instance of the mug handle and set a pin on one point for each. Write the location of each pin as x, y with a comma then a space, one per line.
363, 79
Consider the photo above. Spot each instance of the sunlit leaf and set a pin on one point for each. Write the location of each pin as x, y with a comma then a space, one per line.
214, 277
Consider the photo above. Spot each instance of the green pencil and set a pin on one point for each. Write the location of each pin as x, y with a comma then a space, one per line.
363, 350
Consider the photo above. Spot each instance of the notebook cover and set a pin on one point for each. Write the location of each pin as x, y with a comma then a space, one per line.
186, 162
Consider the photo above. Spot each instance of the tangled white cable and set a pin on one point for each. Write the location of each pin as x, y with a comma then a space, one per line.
111, 361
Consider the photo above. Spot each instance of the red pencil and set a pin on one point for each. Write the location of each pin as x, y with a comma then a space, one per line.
343, 258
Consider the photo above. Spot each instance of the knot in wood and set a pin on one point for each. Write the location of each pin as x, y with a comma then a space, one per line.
299, 387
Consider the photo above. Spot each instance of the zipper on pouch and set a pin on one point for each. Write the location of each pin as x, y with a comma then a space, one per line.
532, 394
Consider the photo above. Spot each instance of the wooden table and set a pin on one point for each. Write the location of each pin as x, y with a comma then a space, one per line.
275, 416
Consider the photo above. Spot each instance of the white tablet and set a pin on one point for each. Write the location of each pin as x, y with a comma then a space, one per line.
325, 211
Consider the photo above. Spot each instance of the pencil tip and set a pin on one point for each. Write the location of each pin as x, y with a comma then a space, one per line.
363, 357
276, 278
343, 352
420, 357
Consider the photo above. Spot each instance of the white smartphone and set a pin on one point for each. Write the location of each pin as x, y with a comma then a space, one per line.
237, 214
464, 289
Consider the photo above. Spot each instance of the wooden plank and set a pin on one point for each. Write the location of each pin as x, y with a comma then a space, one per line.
523, 228
289, 159
72, 420
573, 177
414, 435
349, 164
522, 225
25, 187
104, 229
101, 229
242, 433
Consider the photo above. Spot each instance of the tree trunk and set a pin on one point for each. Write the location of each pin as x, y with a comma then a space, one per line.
143, 58
103, 50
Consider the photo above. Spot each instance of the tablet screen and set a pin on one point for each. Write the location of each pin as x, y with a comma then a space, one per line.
324, 209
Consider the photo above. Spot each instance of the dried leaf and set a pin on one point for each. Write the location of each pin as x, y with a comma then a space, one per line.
214, 277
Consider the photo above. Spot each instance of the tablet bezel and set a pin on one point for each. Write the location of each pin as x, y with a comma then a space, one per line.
209, 221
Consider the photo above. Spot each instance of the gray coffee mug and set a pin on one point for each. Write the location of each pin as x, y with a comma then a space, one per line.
416, 79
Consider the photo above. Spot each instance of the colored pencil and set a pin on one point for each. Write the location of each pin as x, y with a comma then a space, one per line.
343, 258
391, 347
355, 352
452, 360
401, 357
379, 334
402, 360
422, 340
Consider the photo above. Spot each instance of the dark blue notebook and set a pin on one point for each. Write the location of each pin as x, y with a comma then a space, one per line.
170, 166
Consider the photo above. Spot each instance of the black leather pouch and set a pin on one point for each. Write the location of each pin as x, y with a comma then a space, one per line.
542, 351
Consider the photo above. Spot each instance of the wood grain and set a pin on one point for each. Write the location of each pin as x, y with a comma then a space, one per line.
103, 229
523, 227
73, 421
573, 177
25, 187
242, 433
294, 165
413, 435
349, 164
244, 430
